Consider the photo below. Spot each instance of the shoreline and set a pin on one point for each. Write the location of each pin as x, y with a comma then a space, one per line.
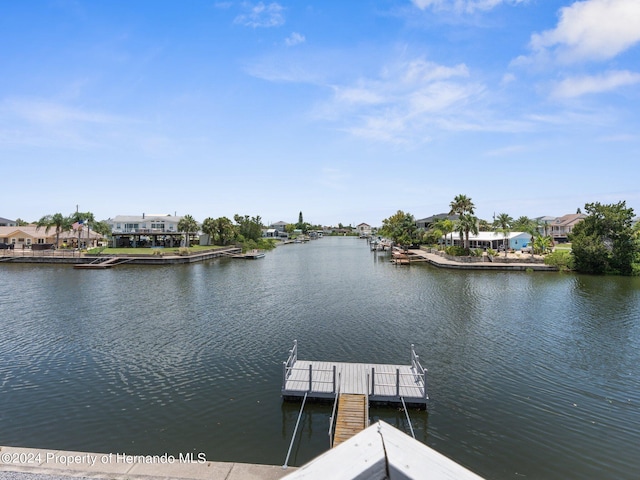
441, 262
85, 259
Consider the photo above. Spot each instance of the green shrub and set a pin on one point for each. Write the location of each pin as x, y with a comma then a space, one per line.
491, 252
184, 251
456, 251
563, 260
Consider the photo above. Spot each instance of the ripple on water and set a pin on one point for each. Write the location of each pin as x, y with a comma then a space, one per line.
532, 374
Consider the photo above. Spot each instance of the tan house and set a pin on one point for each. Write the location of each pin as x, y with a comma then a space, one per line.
562, 226
25, 236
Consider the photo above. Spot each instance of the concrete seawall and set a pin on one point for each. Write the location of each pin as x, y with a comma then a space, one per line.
119, 466
131, 259
496, 264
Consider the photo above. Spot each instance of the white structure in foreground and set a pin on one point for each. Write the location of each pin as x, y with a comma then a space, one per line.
382, 452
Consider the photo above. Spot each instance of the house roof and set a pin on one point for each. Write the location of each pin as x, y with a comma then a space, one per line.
146, 218
438, 216
6, 220
27, 230
280, 223
382, 452
35, 232
569, 219
363, 225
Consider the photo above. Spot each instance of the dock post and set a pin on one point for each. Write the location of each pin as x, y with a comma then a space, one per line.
310, 378
424, 376
373, 381
284, 374
334, 379
397, 382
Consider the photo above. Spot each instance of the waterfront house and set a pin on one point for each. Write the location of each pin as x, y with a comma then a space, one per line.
279, 226
28, 235
143, 230
364, 229
24, 237
514, 240
425, 223
5, 222
561, 227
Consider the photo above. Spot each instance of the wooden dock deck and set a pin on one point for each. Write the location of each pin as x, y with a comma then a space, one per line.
352, 417
383, 383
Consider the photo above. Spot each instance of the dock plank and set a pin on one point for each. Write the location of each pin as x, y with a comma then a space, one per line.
351, 417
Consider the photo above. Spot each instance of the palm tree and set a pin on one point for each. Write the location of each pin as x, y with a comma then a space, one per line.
542, 243
187, 224
463, 206
445, 225
503, 225
62, 224
209, 227
468, 224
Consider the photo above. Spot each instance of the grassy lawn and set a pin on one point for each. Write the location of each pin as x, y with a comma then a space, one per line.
562, 247
150, 251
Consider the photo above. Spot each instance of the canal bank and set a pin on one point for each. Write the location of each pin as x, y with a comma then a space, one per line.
100, 261
441, 260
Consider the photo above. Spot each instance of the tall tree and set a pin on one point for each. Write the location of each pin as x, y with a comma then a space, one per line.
57, 220
503, 225
604, 242
225, 231
188, 225
400, 227
468, 224
249, 228
209, 228
463, 206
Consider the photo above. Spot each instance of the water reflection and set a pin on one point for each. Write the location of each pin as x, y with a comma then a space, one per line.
530, 374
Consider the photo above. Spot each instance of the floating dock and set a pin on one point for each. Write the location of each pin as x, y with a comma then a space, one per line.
382, 383
352, 387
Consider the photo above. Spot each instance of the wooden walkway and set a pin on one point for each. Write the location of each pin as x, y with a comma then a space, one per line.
352, 417
383, 383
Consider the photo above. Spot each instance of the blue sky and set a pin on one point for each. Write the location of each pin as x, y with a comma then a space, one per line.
345, 110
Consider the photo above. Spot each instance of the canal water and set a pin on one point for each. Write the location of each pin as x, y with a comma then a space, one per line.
531, 375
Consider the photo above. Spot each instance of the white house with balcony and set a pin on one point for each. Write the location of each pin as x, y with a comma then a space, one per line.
145, 230
144, 223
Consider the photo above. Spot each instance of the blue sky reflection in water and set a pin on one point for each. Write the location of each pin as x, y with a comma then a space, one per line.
530, 374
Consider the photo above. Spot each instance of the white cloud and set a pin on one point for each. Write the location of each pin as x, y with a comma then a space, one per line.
261, 15
294, 39
405, 103
462, 6
589, 30
577, 86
